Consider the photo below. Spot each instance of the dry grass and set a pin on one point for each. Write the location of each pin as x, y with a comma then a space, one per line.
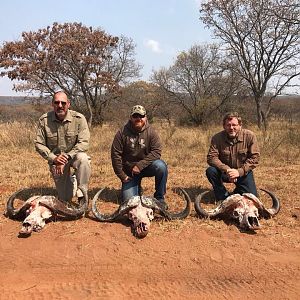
184, 151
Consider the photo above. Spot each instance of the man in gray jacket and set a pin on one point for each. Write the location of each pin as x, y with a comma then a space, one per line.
135, 153
232, 156
62, 139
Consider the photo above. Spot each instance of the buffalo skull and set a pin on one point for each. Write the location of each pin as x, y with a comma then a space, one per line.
36, 210
246, 209
140, 210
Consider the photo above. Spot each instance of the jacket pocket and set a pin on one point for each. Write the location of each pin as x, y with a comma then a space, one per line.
225, 153
242, 154
71, 138
52, 140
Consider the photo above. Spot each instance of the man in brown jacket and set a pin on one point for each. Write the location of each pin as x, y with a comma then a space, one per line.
232, 156
135, 153
62, 139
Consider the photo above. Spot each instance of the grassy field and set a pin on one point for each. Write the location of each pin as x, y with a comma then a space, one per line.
183, 259
184, 150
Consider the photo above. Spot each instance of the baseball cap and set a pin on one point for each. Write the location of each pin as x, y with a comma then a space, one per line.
138, 109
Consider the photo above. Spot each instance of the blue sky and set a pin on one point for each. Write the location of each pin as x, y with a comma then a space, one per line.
159, 28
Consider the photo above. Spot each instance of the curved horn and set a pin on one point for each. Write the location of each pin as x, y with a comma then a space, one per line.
56, 206
61, 208
180, 215
201, 211
123, 208
275, 204
11, 211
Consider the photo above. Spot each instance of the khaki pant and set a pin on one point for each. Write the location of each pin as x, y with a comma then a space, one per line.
82, 171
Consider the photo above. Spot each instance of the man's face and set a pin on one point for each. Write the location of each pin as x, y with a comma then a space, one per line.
60, 105
138, 121
232, 127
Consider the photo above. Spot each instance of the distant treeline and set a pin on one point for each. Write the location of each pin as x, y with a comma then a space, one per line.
18, 108
12, 100
16, 100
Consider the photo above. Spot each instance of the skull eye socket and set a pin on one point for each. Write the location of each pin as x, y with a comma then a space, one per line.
235, 214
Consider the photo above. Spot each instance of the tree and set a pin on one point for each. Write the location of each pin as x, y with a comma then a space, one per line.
88, 64
200, 81
146, 94
293, 8
265, 46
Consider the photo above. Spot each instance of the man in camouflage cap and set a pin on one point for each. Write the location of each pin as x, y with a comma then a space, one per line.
135, 153
62, 139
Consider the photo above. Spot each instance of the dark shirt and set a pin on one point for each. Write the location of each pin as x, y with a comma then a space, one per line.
131, 148
241, 153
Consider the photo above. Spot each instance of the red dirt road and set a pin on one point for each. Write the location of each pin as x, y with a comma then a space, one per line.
191, 259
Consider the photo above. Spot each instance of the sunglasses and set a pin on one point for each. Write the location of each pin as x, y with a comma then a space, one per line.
135, 116
60, 102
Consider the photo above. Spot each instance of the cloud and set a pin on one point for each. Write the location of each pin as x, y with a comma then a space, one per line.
153, 45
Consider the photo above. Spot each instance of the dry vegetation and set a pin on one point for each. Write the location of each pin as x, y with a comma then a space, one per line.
184, 150
186, 259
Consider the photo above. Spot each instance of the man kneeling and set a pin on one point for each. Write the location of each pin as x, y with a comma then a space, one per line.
135, 153
232, 156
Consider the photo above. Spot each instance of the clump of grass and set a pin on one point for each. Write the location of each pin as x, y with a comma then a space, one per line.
17, 134
281, 142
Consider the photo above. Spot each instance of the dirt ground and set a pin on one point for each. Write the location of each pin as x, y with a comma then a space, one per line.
186, 259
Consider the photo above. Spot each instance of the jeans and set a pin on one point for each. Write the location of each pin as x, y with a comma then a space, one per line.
157, 168
244, 184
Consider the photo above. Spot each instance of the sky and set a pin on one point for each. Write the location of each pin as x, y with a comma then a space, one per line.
161, 29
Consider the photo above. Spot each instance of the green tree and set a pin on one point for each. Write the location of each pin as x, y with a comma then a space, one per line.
88, 64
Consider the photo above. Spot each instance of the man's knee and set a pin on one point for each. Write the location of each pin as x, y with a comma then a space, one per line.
82, 157
211, 172
160, 166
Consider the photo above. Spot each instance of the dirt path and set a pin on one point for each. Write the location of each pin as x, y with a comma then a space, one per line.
191, 259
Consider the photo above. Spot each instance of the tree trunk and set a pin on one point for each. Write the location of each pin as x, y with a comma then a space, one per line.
259, 112
265, 121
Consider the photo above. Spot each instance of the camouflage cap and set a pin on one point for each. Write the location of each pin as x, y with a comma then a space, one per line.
138, 109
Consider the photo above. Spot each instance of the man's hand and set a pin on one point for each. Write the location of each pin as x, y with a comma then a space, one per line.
135, 170
233, 174
61, 159
58, 170
127, 179
59, 164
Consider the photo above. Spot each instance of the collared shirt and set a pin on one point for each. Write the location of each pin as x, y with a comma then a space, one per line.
69, 136
131, 148
241, 153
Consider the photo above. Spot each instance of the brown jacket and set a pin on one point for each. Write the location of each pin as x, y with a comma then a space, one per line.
70, 136
241, 153
130, 148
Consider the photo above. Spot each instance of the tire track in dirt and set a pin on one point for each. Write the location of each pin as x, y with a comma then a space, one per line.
89, 260
218, 288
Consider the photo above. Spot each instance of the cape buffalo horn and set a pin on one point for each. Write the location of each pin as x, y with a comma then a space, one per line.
56, 206
201, 211
106, 217
180, 215
11, 211
275, 204
61, 208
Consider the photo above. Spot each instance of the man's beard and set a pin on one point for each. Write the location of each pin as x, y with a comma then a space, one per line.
138, 125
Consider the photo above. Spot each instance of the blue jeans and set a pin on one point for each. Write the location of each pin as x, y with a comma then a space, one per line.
244, 184
157, 168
